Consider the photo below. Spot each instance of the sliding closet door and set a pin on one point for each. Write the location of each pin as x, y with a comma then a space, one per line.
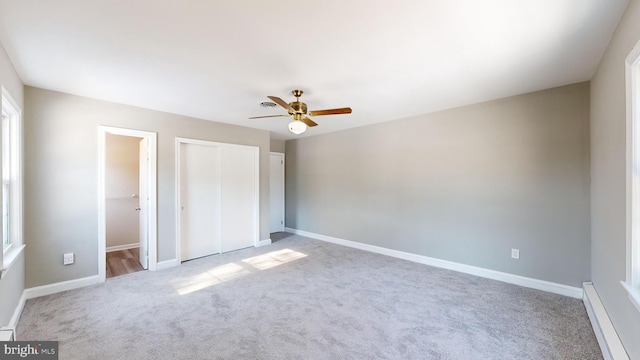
199, 201
217, 197
238, 197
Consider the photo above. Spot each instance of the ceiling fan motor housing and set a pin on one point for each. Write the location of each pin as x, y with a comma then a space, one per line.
299, 107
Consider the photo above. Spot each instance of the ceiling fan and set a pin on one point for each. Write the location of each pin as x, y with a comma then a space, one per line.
299, 111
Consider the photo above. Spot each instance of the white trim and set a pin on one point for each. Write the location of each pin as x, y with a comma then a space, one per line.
178, 209
152, 235
256, 160
632, 74
17, 196
167, 264
13, 323
548, 286
123, 247
264, 242
284, 196
608, 339
7, 334
50, 289
9, 258
55, 288
633, 292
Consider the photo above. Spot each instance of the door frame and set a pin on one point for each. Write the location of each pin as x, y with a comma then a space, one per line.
284, 209
178, 218
143, 202
152, 235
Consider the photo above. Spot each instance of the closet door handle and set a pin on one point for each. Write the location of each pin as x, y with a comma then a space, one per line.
138, 209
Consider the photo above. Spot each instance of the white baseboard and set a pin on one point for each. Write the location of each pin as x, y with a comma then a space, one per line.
44, 290
7, 334
123, 247
610, 344
167, 264
264, 242
548, 286
13, 323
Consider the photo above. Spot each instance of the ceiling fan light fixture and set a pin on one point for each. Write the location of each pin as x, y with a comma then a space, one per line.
297, 127
298, 110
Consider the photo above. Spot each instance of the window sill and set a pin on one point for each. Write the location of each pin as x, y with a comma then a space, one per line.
9, 258
634, 294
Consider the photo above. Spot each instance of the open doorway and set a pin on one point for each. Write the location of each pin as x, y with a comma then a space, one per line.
127, 202
125, 197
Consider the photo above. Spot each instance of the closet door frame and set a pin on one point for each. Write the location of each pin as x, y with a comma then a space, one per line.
256, 181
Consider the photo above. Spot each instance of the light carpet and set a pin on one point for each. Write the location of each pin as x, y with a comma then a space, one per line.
305, 299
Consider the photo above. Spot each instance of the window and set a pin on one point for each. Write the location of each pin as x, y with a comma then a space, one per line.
632, 283
10, 148
6, 179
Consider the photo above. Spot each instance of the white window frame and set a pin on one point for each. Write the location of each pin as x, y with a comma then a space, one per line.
11, 253
5, 144
632, 283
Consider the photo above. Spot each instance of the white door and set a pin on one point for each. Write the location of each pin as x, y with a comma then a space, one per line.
143, 203
276, 192
199, 201
238, 198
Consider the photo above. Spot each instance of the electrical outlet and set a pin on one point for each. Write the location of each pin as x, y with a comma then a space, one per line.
68, 259
515, 254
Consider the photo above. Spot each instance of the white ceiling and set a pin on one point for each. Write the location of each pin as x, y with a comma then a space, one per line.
387, 60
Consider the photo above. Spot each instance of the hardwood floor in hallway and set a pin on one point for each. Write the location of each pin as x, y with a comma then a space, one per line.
123, 262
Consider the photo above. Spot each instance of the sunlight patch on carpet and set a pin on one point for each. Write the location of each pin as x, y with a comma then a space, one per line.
274, 258
211, 277
234, 270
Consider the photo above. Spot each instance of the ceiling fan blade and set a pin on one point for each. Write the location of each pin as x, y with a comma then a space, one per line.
308, 121
282, 103
330, 112
267, 116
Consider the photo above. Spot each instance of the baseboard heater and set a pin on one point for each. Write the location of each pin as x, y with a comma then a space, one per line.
7, 334
610, 344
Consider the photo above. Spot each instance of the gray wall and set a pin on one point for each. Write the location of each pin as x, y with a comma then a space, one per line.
464, 185
277, 145
12, 285
608, 174
61, 206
